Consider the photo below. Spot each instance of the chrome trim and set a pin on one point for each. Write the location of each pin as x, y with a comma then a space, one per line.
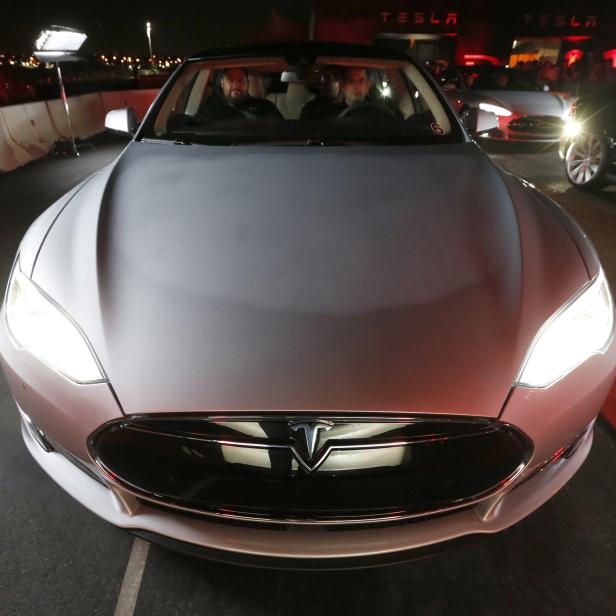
310, 429
357, 520
324, 523
35, 433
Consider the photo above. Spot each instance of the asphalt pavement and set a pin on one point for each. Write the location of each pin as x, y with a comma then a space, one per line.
58, 558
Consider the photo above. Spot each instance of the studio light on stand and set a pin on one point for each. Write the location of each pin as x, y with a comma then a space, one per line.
57, 44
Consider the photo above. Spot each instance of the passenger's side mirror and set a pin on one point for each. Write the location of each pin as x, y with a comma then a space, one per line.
478, 121
122, 121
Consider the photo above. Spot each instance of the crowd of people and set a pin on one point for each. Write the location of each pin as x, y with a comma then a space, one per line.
587, 73
589, 70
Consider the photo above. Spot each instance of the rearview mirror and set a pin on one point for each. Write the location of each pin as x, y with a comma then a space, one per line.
122, 121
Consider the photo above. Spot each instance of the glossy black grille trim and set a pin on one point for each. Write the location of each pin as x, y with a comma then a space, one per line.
541, 125
244, 467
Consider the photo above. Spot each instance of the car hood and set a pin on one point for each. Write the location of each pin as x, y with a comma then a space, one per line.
525, 103
292, 277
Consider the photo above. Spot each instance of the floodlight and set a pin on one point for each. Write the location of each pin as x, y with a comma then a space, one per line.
59, 38
59, 44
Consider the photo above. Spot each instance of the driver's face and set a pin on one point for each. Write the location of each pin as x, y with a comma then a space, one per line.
235, 85
355, 86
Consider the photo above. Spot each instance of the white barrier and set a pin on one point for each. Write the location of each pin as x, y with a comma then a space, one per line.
139, 100
87, 116
28, 131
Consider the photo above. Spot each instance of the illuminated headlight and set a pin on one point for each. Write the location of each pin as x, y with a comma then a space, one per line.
581, 328
37, 324
495, 109
572, 128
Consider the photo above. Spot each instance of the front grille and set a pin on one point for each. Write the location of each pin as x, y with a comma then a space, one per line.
299, 469
550, 126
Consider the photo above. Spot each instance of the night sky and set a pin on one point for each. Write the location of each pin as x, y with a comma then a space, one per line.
178, 27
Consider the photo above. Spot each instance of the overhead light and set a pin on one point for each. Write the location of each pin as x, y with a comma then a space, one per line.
59, 38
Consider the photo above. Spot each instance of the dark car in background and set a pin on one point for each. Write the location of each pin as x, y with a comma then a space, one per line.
588, 142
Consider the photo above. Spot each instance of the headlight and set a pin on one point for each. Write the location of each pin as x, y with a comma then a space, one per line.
576, 331
495, 109
572, 128
36, 323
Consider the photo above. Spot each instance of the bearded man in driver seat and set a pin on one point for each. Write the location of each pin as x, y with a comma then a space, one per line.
231, 99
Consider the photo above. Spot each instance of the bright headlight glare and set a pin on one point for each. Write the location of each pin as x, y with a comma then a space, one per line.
572, 128
495, 109
580, 329
38, 325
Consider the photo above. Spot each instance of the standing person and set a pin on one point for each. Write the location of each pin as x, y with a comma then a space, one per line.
610, 72
597, 71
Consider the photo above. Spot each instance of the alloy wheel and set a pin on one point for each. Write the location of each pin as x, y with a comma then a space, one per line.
584, 160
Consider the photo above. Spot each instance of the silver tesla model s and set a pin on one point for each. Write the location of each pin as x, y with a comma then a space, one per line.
304, 320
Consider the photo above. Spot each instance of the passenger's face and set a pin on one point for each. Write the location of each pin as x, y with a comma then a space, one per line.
355, 86
331, 85
235, 85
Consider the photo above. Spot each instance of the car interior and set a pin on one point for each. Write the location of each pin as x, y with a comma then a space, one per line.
398, 93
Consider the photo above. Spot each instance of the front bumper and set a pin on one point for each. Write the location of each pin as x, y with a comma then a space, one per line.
68, 414
300, 547
526, 130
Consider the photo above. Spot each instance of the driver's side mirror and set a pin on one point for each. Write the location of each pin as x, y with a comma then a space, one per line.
477, 121
122, 121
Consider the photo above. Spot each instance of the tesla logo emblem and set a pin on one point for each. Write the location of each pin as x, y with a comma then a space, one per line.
305, 437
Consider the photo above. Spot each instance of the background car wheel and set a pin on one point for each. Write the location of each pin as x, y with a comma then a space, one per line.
586, 162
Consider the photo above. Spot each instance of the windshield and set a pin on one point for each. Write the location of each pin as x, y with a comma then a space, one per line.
330, 101
498, 78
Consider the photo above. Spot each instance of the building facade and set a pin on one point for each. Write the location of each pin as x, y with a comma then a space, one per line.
475, 30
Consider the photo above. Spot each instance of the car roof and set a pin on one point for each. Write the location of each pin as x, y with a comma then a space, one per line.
300, 53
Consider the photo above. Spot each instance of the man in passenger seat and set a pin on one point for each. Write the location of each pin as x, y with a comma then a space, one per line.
328, 93
231, 99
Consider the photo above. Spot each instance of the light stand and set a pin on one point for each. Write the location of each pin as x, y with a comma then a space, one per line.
68, 113
58, 44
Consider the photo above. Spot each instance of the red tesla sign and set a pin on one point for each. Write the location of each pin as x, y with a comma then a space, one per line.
560, 21
419, 18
